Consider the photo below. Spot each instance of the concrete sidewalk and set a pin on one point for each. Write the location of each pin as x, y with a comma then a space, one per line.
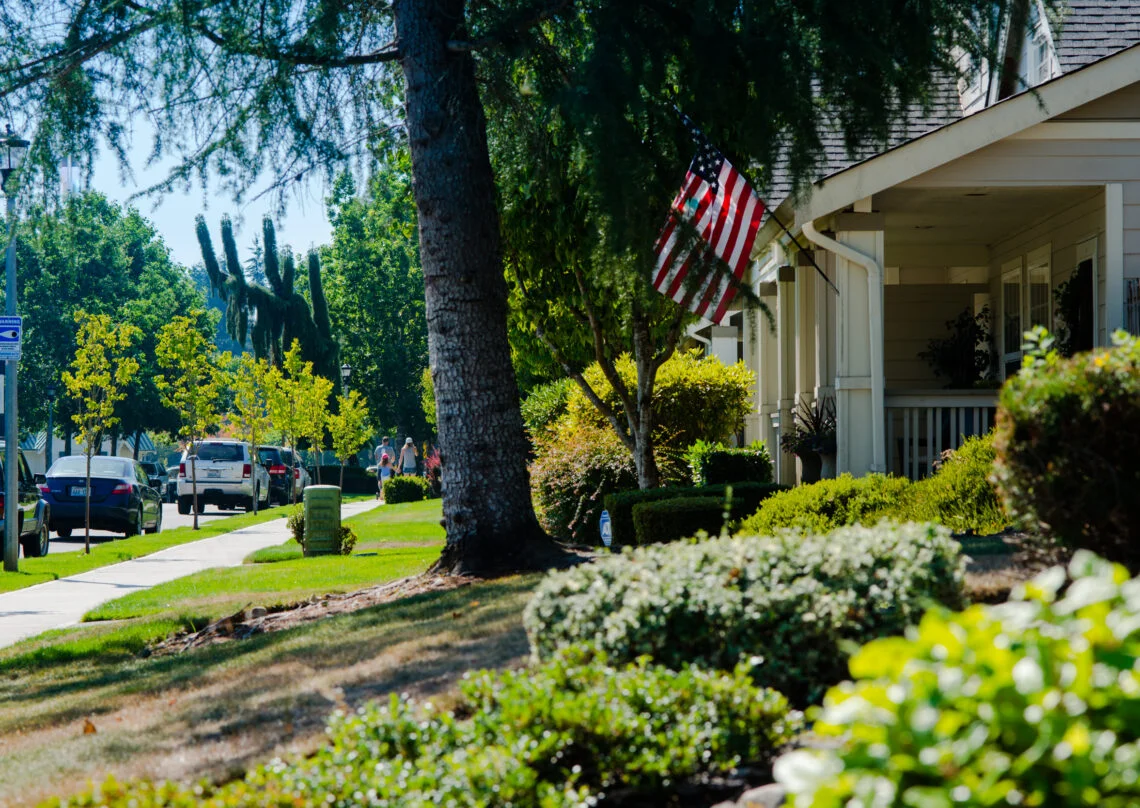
57, 604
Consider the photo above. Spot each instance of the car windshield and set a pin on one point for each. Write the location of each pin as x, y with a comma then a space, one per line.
150, 468
269, 456
221, 451
76, 466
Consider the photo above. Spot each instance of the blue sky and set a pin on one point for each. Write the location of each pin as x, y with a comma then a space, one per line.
303, 225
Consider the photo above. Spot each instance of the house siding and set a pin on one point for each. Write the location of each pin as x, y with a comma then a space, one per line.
916, 314
1123, 105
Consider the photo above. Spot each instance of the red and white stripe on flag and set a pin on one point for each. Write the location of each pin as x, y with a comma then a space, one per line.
726, 218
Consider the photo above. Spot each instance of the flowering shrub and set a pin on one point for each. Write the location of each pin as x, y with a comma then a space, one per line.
828, 504
792, 602
1068, 446
554, 736
433, 473
1032, 702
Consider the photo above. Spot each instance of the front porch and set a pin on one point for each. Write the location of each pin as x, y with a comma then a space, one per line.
906, 262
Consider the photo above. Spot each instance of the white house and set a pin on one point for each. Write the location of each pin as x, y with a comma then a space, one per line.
35, 447
976, 203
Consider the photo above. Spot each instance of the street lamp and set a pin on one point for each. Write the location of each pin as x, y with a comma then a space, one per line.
51, 412
345, 375
12, 153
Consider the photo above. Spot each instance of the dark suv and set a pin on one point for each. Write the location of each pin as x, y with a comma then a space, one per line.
32, 509
277, 460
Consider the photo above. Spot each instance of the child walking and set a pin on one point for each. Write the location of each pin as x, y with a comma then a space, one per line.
383, 473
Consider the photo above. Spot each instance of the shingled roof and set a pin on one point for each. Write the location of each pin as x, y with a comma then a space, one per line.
1093, 29
1086, 31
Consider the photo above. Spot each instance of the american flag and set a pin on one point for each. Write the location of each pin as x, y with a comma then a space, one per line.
718, 204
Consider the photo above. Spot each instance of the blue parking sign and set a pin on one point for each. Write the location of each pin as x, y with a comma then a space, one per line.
607, 529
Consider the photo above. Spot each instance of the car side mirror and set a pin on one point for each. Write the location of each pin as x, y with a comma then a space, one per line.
39, 479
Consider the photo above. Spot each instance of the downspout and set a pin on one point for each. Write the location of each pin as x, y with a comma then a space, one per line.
875, 327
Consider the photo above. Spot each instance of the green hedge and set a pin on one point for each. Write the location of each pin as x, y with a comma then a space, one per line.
672, 519
960, 495
1068, 446
829, 504
746, 498
1032, 702
405, 488
558, 735
715, 463
794, 602
357, 480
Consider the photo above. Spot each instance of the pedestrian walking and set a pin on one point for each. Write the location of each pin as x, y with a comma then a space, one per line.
383, 473
408, 456
384, 449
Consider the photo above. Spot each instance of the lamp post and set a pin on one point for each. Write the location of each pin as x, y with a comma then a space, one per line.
51, 412
345, 375
12, 153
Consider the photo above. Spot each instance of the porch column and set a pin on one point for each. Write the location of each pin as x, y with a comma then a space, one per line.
724, 343
824, 324
859, 411
805, 334
767, 375
1113, 258
786, 331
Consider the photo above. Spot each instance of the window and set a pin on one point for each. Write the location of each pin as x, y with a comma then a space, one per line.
1011, 316
233, 452
1040, 276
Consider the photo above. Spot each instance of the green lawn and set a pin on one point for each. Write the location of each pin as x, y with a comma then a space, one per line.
61, 565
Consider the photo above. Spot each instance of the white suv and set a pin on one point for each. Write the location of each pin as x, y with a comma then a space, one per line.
227, 477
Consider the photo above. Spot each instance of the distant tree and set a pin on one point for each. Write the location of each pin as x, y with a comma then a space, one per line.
273, 316
250, 410
314, 392
350, 427
190, 381
100, 373
375, 290
288, 390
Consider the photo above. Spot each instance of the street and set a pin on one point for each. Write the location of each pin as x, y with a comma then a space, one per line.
170, 520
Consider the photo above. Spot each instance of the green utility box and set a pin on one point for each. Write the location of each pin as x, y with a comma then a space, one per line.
322, 519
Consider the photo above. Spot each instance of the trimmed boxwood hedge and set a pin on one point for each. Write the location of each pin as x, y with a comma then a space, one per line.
746, 498
405, 488
792, 604
672, 519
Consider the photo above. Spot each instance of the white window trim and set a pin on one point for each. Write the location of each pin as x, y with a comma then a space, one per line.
1013, 270
1036, 259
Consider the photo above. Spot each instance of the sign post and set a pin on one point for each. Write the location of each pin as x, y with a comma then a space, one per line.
607, 529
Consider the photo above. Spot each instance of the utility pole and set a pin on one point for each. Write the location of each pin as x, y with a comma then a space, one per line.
12, 151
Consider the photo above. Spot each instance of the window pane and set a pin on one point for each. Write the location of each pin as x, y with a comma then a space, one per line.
1011, 315
1039, 297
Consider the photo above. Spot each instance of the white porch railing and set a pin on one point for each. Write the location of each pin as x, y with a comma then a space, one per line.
922, 424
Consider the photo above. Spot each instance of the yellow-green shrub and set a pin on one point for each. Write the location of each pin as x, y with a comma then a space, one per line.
960, 495
829, 504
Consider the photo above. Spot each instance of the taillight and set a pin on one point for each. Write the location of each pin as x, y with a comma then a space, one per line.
246, 470
44, 489
121, 488
278, 469
181, 469
297, 473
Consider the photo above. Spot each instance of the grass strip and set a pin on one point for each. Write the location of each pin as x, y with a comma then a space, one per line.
62, 565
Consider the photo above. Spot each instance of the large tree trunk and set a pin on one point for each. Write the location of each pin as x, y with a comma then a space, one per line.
490, 522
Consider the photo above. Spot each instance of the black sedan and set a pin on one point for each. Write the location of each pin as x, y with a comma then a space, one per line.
122, 499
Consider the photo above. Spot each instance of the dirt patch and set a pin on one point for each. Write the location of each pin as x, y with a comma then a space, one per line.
1009, 559
252, 621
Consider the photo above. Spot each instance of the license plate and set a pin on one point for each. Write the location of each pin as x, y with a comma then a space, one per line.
213, 474
78, 491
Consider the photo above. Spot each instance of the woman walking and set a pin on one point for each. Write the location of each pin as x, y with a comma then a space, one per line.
408, 455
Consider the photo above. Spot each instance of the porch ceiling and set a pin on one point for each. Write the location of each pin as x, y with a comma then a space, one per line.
977, 216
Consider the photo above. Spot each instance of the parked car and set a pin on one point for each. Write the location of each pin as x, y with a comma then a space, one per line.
171, 492
227, 477
277, 460
34, 511
122, 499
158, 477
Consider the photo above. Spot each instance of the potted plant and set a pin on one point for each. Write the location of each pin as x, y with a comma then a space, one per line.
812, 439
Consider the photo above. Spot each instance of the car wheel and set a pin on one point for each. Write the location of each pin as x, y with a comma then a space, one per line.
63, 532
36, 546
184, 505
157, 523
133, 528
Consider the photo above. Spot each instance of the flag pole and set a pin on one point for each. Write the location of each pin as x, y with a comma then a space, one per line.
771, 213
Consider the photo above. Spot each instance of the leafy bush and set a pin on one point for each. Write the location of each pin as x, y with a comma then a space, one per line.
573, 471
346, 538
545, 404
960, 495
680, 518
357, 480
793, 601
829, 504
554, 736
404, 488
746, 498
713, 463
694, 398
1031, 702
1068, 446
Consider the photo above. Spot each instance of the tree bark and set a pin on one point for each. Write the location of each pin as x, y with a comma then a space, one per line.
487, 510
